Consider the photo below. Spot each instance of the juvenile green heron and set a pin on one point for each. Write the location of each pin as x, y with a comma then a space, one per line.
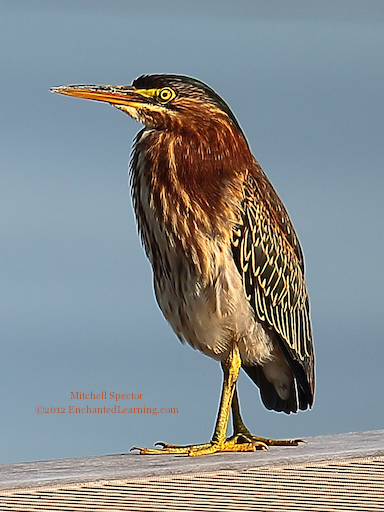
228, 267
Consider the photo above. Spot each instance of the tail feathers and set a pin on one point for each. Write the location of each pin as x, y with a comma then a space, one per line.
272, 401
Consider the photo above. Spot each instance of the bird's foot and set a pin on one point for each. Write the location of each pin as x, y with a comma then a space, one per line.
268, 442
279, 442
236, 443
169, 449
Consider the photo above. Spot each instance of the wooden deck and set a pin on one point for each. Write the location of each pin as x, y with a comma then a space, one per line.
343, 472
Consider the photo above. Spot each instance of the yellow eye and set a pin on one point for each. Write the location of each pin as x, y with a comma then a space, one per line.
165, 95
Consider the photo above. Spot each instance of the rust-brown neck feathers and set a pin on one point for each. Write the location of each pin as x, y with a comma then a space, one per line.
193, 172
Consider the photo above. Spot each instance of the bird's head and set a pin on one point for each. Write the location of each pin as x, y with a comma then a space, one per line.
193, 158
171, 102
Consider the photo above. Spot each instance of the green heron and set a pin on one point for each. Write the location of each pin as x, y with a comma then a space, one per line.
227, 264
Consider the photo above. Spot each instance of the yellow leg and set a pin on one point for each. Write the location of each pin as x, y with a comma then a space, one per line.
239, 429
219, 443
241, 441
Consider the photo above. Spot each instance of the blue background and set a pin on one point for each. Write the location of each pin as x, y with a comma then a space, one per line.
306, 82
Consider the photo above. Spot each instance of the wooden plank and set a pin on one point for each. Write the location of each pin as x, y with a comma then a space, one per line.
29, 475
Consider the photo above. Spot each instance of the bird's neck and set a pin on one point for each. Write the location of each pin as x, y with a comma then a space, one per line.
193, 184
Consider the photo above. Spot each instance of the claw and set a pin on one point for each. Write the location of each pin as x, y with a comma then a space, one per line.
259, 445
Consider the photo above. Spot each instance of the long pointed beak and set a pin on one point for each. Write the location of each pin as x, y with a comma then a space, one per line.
114, 94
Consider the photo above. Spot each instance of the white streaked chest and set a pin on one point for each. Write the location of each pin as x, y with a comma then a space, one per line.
208, 310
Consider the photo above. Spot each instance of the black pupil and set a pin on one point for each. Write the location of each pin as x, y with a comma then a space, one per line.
165, 94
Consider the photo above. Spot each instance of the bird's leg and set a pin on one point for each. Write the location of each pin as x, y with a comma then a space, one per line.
219, 443
241, 431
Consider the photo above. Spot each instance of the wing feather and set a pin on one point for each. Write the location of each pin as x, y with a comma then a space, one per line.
270, 261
